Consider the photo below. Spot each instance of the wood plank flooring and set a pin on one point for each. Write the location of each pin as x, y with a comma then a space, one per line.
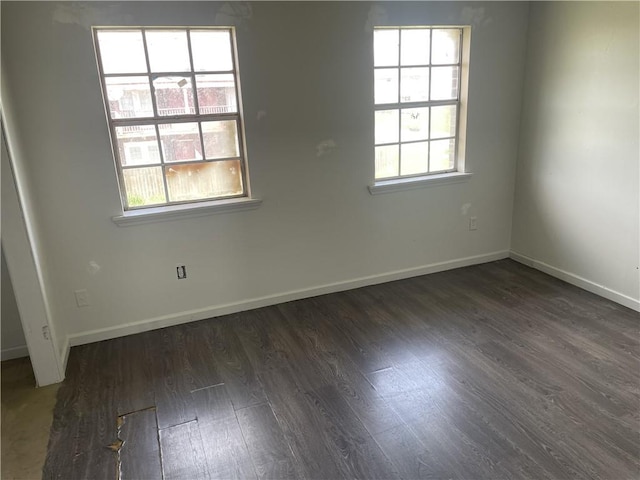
486, 372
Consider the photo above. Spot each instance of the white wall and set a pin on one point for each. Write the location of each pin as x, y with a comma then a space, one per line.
309, 67
12, 339
576, 210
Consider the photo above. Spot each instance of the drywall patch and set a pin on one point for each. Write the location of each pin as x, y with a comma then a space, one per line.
261, 114
325, 147
465, 208
85, 15
236, 13
377, 16
475, 16
93, 267
73, 13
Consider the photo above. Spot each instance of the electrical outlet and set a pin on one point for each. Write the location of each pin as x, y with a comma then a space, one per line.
82, 298
473, 223
182, 272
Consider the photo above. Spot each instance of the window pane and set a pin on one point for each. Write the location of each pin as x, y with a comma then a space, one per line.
386, 126
204, 180
387, 161
129, 97
122, 52
137, 145
220, 139
180, 142
415, 158
415, 46
144, 186
446, 46
442, 155
444, 83
211, 51
443, 121
415, 124
174, 96
168, 51
386, 85
385, 48
216, 94
414, 86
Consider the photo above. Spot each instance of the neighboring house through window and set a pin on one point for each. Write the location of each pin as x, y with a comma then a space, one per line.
417, 97
172, 98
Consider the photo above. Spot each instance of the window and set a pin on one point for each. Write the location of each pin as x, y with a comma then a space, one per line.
417, 97
172, 97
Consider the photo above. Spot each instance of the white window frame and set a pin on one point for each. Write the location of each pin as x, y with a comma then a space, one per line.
173, 209
459, 172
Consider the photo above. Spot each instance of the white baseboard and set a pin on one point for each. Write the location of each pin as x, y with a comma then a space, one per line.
578, 281
249, 304
14, 352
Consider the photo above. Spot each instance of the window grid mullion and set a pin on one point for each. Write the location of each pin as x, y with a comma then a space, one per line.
156, 113
164, 182
196, 101
194, 88
142, 165
179, 163
418, 65
407, 142
434, 103
152, 90
126, 122
437, 139
171, 74
162, 163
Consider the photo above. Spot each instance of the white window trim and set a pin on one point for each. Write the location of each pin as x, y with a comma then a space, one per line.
182, 211
461, 175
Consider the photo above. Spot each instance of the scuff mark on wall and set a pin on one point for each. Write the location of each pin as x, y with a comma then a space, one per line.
475, 16
377, 16
325, 147
261, 114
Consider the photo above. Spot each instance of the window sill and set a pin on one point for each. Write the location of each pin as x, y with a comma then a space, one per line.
179, 212
396, 185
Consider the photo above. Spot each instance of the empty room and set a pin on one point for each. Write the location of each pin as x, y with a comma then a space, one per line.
320, 240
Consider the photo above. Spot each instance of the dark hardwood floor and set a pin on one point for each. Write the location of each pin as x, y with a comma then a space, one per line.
487, 372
